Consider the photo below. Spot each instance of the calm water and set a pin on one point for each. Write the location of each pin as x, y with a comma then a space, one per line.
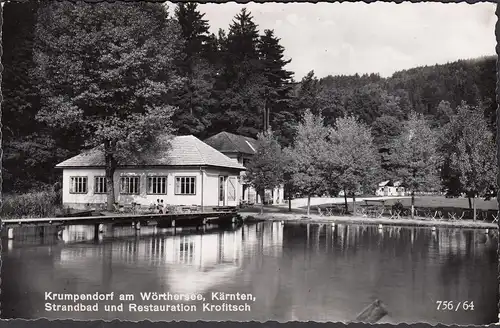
295, 272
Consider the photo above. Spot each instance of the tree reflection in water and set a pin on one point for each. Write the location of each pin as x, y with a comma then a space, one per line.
296, 271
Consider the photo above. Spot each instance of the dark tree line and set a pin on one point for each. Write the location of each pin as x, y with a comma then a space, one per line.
228, 81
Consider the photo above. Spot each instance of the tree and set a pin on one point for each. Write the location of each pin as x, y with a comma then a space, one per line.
288, 172
352, 158
30, 151
331, 104
277, 91
191, 116
474, 156
448, 140
368, 103
307, 95
265, 169
444, 112
194, 31
415, 158
384, 130
108, 69
240, 83
308, 156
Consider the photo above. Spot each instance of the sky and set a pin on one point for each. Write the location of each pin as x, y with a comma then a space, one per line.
349, 38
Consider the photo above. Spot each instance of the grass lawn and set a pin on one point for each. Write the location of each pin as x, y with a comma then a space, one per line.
449, 208
442, 201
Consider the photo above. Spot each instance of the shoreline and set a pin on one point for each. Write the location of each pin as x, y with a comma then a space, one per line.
316, 219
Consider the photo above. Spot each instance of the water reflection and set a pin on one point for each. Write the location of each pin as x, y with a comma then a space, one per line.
295, 271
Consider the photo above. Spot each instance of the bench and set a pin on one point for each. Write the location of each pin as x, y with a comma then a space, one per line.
371, 211
373, 207
189, 208
330, 210
335, 209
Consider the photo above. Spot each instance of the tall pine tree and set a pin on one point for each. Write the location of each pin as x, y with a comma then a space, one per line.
277, 91
240, 91
191, 116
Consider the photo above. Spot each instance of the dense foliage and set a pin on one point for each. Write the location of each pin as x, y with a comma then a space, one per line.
415, 158
114, 81
352, 161
473, 156
266, 169
309, 157
61, 67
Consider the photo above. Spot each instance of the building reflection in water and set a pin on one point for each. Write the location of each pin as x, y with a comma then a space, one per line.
201, 260
296, 271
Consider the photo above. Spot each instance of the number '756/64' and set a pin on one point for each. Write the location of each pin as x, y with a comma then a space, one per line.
455, 306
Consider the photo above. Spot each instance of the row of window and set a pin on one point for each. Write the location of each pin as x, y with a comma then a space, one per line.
130, 185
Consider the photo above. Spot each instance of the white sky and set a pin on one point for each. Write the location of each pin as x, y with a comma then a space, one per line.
348, 38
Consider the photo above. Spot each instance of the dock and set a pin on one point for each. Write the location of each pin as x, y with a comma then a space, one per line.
168, 220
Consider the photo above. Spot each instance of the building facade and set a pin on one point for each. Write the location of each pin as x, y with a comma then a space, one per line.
240, 149
187, 172
389, 188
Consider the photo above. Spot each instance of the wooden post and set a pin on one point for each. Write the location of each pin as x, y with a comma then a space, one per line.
346, 205
474, 208
101, 228
354, 202
308, 204
412, 204
96, 231
137, 225
372, 313
10, 233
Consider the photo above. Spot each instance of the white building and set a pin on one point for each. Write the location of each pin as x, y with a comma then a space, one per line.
241, 149
389, 188
185, 172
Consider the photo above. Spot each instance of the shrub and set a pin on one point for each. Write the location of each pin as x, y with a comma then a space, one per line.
398, 206
33, 204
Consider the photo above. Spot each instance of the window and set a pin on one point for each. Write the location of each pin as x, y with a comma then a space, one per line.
78, 185
222, 191
185, 185
157, 185
186, 254
129, 185
100, 185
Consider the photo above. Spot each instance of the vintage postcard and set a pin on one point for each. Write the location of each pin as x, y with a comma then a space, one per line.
330, 162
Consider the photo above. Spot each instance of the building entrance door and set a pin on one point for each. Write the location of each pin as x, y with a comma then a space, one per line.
222, 190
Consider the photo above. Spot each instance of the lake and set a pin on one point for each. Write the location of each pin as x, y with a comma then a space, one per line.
293, 271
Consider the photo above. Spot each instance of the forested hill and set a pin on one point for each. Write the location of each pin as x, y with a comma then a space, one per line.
421, 89
222, 82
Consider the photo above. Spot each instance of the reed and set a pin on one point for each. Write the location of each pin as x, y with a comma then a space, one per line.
31, 204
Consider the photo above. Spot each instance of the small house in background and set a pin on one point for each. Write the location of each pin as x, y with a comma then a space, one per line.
390, 188
241, 149
186, 171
